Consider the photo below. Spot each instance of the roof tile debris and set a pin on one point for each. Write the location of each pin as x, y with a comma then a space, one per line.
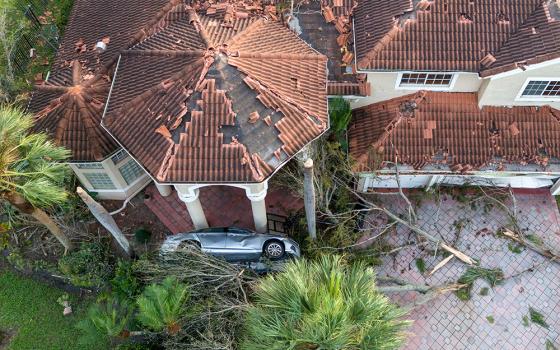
223, 106
327, 27
489, 36
430, 128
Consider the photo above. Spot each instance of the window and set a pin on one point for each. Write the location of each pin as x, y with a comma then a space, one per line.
437, 80
131, 171
89, 166
100, 181
542, 88
119, 156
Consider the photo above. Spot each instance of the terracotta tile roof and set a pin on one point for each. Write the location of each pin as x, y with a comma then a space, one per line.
74, 119
453, 35
123, 22
71, 114
449, 128
327, 27
233, 112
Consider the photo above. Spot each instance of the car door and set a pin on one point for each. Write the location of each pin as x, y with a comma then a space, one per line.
213, 240
242, 245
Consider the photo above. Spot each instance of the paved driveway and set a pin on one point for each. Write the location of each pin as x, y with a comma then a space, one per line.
493, 318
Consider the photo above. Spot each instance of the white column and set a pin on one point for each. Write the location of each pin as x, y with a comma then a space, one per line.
164, 190
555, 189
190, 197
256, 194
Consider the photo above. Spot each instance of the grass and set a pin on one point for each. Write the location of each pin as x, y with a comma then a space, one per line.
31, 310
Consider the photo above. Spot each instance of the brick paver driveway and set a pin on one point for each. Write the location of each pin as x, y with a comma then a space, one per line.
498, 319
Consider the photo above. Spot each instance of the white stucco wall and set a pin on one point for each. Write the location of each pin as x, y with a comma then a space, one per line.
499, 179
384, 87
122, 190
504, 89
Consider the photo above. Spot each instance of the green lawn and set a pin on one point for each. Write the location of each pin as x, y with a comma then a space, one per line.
30, 308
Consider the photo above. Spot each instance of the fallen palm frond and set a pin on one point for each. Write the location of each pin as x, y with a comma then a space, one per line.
492, 276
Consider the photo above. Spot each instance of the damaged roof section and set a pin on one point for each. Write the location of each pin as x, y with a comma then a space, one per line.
327, 27
487, 37
72, 113
221, 93
449, 129
117, 24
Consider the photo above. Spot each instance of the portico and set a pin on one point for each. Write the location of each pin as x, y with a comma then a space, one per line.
190, 195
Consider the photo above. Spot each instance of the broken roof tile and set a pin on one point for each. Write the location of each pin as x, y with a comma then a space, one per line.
449, 128
210, 100
487, 37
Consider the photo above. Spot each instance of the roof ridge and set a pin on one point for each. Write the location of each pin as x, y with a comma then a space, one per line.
173, 53
248, 31
272, 55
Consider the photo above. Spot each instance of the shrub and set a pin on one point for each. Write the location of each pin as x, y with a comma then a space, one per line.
124, 284
90, 266
142, 235
322, 304
108, 318
161, 306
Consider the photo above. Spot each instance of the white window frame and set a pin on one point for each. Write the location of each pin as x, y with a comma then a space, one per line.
520, 96
450, 87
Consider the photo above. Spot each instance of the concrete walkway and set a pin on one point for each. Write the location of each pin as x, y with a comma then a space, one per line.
494, 318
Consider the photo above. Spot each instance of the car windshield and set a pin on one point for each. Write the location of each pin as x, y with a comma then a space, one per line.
211, 230
238, 230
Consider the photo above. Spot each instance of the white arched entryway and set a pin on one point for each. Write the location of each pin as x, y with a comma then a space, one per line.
189, 194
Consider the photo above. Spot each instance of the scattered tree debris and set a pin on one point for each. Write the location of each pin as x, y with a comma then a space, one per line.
537, 318
492, 276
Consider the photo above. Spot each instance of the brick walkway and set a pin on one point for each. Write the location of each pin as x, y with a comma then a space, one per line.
223, 206
449, 323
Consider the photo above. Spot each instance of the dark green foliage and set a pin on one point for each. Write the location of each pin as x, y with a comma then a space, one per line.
90, 266
484, 291
339, 114
161, 306
490, 319
322, 304
537, 318
492, 276
142, 235
108, 319
133, 346
536, 240
421, 265
515, 248
124, 284
62, 8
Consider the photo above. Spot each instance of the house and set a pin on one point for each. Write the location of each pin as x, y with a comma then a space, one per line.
211, 94
463, 92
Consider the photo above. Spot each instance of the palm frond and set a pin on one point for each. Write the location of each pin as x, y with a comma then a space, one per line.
323, 304
161, 306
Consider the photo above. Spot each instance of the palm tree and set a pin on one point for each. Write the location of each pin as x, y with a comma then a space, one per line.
31, 169
323, 304
107, 319
161, 306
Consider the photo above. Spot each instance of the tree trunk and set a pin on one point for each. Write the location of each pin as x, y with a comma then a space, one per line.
25, 207
309, 198
105, 219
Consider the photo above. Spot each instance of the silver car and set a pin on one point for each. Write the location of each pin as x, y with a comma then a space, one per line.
234, 244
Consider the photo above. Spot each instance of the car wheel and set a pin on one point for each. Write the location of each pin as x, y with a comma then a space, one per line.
274, 250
